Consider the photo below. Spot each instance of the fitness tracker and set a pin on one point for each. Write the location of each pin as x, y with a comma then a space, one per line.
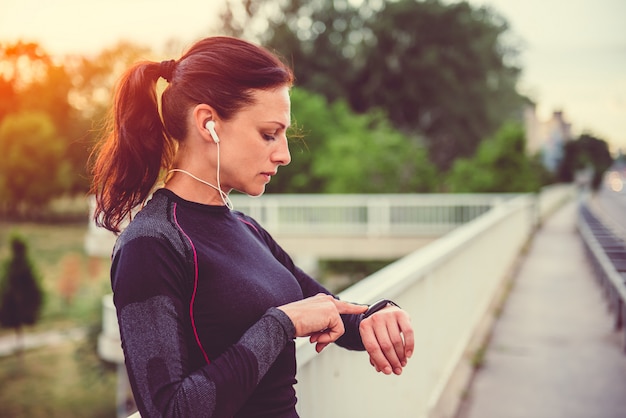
377, 306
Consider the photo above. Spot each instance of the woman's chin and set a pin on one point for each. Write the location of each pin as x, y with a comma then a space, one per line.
257, 192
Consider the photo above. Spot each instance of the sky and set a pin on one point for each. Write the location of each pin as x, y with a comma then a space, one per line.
573, 51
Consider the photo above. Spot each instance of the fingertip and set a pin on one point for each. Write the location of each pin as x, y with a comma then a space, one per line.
320, 346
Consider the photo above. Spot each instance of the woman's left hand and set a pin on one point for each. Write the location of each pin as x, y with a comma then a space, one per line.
388, 339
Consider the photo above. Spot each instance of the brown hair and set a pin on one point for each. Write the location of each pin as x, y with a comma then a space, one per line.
219, 71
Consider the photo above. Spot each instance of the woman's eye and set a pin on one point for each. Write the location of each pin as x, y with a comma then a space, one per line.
269, 137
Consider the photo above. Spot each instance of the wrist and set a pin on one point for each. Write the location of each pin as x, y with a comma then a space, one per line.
377, 306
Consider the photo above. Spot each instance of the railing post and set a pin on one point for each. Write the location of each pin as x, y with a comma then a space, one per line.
272, 210
378, 217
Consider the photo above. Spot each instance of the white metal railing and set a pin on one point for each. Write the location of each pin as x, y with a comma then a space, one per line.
366, 215
447, 288
348, 216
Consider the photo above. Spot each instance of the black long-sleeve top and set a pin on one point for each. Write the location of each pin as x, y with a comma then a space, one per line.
196, 289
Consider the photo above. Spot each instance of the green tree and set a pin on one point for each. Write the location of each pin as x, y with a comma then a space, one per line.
586, 152
338, 151
33, 171
499, 165
366, 155
21, 295
74, 92
31, 81
442, 71
445, 72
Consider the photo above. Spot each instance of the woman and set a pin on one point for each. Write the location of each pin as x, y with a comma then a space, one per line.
208, 303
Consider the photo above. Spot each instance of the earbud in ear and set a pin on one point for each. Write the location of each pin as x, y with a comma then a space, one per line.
210, 126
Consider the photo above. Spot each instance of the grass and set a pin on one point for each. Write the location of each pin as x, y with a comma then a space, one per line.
53, 382
66, 380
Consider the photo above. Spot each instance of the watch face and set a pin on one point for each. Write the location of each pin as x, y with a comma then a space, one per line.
375, 307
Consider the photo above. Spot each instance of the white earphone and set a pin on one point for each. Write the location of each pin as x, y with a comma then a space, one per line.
210, 126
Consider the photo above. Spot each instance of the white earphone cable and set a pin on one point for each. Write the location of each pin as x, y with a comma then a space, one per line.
223, 195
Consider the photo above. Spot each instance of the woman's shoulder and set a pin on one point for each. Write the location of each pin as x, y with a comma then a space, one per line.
152, 222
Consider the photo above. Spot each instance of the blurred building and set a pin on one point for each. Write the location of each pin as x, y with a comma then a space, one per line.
547, 138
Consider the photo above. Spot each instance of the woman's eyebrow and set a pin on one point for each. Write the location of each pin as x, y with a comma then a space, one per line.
282, 125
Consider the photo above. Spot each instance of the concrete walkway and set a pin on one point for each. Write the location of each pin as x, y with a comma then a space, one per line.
9, 343
553, 352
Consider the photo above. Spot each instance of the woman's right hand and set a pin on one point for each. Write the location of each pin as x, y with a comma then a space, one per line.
318, 317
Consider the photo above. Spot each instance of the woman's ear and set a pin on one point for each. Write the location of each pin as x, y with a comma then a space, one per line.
202, 114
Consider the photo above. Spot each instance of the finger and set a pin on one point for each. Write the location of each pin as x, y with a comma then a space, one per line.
370, 341
322, 340
332, 332
320, 346
397, 342
349, 308
368, 338
391, 345
409, 337
314, 339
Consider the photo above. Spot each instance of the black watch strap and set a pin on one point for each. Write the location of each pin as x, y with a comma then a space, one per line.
377, 306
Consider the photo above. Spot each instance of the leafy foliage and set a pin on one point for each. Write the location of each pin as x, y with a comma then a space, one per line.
21, 295
499, 165
50, 112
35, 83
440, 70
587, 151
33, 171
343, 152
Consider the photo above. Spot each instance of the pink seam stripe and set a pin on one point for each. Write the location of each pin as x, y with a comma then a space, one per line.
195, 287
250, 224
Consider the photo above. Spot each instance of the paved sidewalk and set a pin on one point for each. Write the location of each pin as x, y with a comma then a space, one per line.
553, 352
8, 343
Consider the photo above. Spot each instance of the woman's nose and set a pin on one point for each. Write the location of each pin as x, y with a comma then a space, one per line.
281, 155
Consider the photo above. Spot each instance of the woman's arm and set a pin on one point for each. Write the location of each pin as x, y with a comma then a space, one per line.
157, 361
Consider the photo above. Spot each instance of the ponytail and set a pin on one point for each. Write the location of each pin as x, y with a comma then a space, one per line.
130, 159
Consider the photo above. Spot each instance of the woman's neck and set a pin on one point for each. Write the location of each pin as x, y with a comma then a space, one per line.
192, 187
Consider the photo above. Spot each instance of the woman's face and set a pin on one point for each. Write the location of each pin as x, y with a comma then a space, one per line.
254, 142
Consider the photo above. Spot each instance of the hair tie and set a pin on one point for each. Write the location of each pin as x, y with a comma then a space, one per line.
166, 69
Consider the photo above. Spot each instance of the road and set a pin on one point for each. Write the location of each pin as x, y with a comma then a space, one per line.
610, 202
